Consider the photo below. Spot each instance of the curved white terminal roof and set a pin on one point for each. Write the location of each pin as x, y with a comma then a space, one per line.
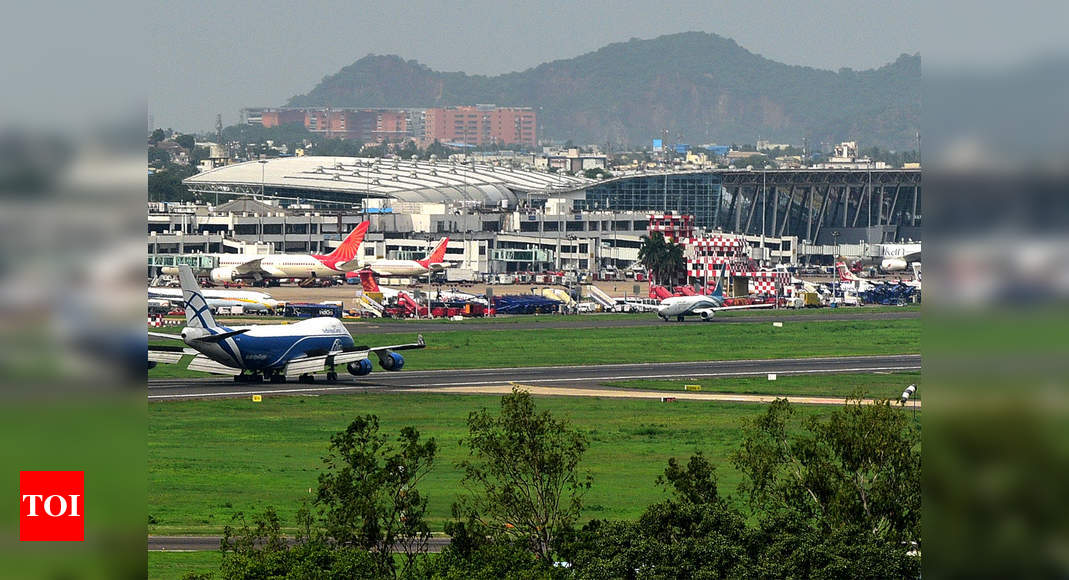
409, 181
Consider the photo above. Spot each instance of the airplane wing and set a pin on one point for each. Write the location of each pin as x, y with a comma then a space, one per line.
418, 344
250, 267
165, 354
166, 335
318, 363
710, 311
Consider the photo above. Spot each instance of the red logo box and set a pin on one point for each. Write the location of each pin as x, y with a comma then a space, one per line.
51, 506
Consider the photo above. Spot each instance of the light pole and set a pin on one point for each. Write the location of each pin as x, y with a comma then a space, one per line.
263, 171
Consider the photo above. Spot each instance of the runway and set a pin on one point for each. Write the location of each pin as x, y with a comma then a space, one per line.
599, 321
587, 380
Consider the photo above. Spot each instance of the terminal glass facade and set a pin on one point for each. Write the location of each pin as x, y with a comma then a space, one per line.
697, 194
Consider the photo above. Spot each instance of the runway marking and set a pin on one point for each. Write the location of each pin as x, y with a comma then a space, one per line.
678, 395
244, 393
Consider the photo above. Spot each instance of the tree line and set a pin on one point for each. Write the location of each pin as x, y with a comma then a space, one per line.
834, 497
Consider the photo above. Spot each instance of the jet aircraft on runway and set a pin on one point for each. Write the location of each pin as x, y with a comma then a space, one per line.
272, 351
702, 305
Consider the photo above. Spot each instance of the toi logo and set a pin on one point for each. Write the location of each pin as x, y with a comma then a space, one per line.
51, 506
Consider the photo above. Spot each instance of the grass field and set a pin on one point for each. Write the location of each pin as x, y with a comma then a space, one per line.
174, 565
668, 343
209, 459
876, 385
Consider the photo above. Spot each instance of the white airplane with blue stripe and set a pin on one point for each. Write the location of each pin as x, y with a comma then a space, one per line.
272, 351
705, 306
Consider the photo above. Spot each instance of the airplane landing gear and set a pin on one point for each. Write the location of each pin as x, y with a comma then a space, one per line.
332, 376
306, 379
680, 318
248, 378
278, 378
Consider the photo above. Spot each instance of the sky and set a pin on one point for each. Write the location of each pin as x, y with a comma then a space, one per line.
212, 57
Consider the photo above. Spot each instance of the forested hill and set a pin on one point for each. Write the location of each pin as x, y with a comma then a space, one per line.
701, 87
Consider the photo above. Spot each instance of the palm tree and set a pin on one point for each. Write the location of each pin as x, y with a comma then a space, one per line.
662, 259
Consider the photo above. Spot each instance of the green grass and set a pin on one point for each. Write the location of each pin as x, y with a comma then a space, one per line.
876, 385
174, 565
667, 343
210, 459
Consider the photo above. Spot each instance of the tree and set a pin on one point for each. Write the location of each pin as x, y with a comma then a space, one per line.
597, 173
166, 184
693, 533
339, 147
407, 149
850, 483
436, 148
156, 136
188, 142
367, 507
662, 259
522, 474
158, 157
367, 496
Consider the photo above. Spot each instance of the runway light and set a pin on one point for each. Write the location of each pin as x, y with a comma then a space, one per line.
257, 398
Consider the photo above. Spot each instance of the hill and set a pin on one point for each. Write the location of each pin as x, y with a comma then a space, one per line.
701, 87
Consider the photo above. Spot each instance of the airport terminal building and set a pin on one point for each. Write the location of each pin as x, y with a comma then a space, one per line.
507, 219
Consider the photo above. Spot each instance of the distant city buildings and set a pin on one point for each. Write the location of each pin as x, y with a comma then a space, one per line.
478, 125
845, 156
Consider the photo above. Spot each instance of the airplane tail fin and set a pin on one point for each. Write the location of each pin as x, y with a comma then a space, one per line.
718, 291
348, 248
437, 255
198, 315
844, 274
367, 281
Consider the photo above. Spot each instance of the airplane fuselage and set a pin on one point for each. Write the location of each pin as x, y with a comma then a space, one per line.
687, 305
399, 268
287, 265
271, 346
249, 299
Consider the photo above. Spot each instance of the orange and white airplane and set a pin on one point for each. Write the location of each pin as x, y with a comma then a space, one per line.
434, 262
343, 259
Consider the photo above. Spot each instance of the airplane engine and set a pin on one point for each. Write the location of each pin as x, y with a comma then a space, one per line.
360, 367
707, 316
893, 265
222, 275
391, 361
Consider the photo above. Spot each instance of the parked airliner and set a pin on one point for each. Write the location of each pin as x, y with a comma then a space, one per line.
250, 300
432, 263
272, 351
233, 267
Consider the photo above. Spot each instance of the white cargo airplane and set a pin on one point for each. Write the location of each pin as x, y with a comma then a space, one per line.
705, 306
233, 267
432, 263
272, 351
249, 300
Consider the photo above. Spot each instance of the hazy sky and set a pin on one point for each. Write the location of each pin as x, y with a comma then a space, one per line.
217, 57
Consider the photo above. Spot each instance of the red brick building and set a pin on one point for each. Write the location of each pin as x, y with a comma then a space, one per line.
361, 124
482, 125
